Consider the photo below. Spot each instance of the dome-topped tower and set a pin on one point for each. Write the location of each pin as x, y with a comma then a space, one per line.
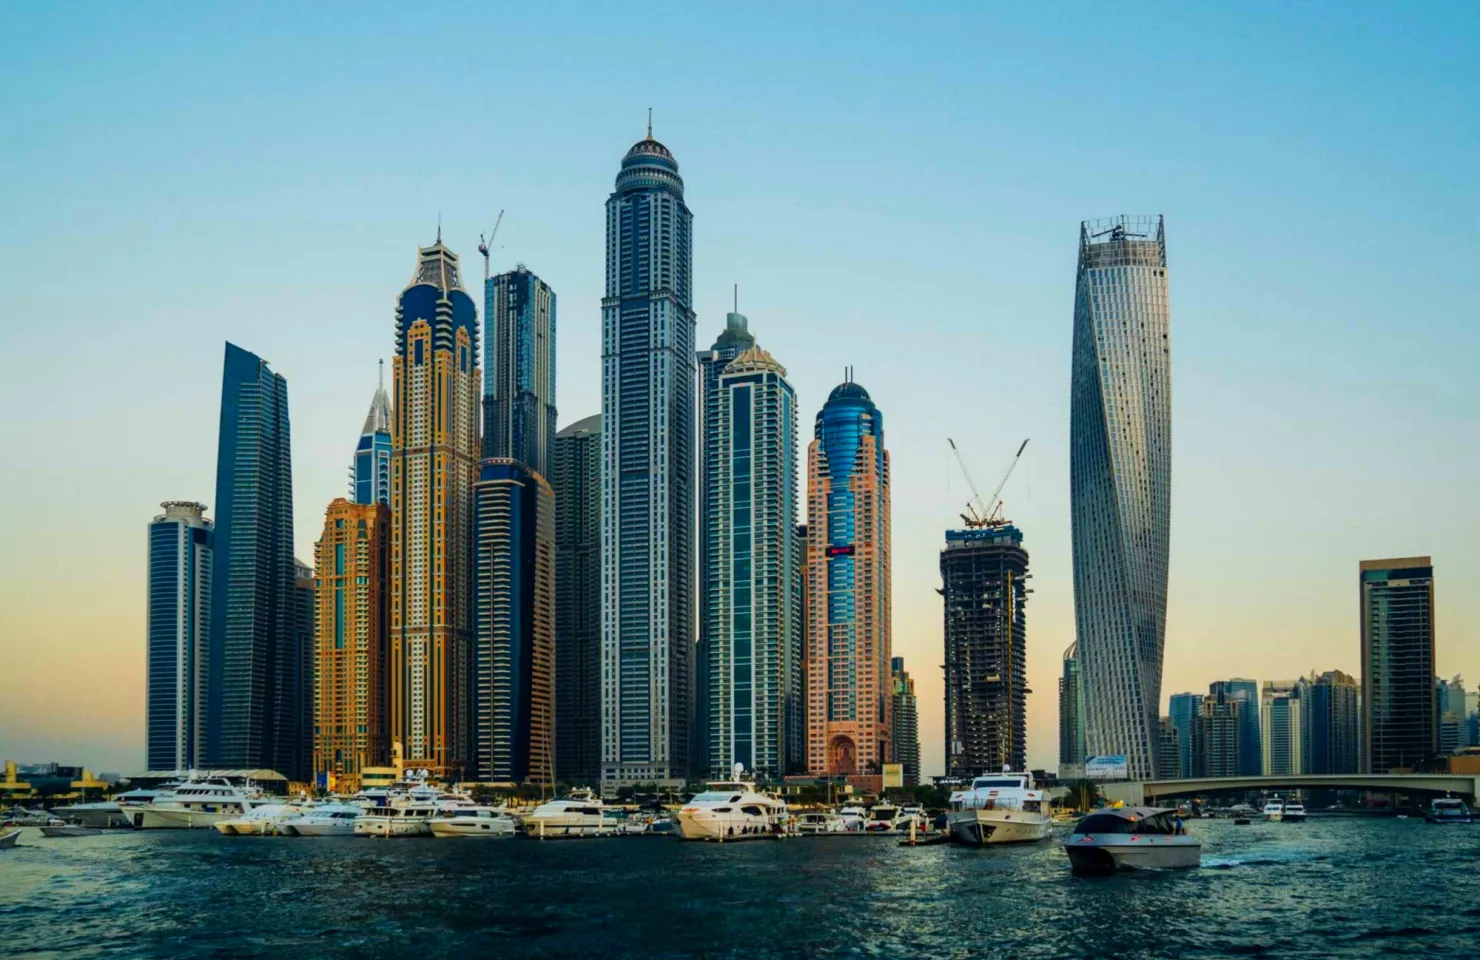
649, 165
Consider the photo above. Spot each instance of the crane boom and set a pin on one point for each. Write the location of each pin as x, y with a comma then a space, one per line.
484, 245
994, 517
977, 509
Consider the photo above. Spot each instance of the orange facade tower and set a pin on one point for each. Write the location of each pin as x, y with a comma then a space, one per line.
351, 560
849, 709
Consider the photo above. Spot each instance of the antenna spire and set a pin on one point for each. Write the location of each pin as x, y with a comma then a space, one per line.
439, 226
650, 123
737, 298
382, 373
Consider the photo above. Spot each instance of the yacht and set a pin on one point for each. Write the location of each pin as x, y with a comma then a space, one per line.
324, 820
581, 814
887, 819
822, 822
19, 816
106, 813
1000, 808
474, 821
192, 804
64, 828
1447, 810
1131, 838
732, 810
1274, 810
260, 821
854, 818
1294, 812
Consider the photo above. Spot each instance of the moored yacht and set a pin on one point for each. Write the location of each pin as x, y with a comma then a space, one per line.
324, 820
854, 818
1274, 809
581, 814
1294, 812
192, 804
731, 810
1000, 808
823, 821
260, 821
473, 821
887, 818
1131, 838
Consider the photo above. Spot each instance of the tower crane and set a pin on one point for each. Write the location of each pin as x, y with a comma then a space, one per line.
483, 244
989, 514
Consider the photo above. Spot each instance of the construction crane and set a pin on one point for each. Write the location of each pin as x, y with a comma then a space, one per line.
483, 244
989, 514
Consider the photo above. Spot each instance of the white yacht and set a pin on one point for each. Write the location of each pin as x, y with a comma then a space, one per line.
105, 813
1447, 810
822, 822
581, 814
732, 810
324, 820
1294, 812
1131, 838
474, 821
854, 818
192, 804
886, 818
1000, 808
1274, 809
260, 821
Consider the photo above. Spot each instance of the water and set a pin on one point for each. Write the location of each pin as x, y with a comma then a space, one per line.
1330, 887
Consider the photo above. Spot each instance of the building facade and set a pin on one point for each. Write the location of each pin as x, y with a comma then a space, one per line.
906, 733
370, 479
848, 588
1331, 723
1168, 750
577, 485
1183, 709
1282, 722
254, 665
647, 407
519, 369
1215, 733
1449, 701
1071, 718
178, 629
1251, 726
513, 671
297, 736
1120, 482
351, 622
1399, 719
984, 575
434, 463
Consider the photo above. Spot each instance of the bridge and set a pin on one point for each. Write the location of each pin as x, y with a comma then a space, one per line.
1149, 791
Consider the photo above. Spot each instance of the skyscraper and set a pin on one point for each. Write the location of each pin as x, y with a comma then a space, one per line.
906, 733
351, 560
1168, 749
1215, 733
434, 462
751, 665
1120, 481
513, 673
179, 632
1071, 717
647, 407
519, 369
1183, 711
578, 601
983, 574
371, 477
254, 659
1399, 727
1331, 724
1250, 726
1449, 696
848, 588
1282, 721
295, 734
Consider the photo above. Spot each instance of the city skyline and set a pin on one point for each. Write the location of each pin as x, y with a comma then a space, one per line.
1290, 480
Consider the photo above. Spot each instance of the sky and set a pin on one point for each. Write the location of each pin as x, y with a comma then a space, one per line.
894, 188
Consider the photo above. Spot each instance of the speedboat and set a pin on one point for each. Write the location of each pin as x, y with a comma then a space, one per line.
8, 838
325, 820
1447, 810
1294, 812
192, 804
581, 814
822, 822
474, 822
731, 810
260, 821
21, 817
1130, 838
1274, 810
63, 828
1000, 808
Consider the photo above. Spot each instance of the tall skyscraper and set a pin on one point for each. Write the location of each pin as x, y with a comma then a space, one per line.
1168, 750
1399, 722
1250, 726
352, 617
906, 733
181, 557
513, 674
1120, 481
1331, 724
519, 369
1449, 703
751, 664
370, 480
848, 588
1183, 711
1215, 733
983, 574
1282, 721
647, 407
1071, 717
254, 662
578, 601
434, 463
296, 733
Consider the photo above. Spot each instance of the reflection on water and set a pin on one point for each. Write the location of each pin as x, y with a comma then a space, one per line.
1325, 888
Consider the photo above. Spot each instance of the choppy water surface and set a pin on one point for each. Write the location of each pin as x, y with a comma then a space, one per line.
1326, 888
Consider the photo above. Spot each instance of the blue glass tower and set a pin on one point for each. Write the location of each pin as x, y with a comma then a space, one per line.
519, 369
647, 406
371, 477
255, 649
1184, 710
179, 631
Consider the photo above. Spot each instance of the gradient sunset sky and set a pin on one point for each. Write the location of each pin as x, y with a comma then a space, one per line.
895, 188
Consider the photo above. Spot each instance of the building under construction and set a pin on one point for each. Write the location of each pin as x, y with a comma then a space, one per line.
983, 570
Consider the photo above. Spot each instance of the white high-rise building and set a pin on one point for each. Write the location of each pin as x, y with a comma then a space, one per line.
1280, 705
1120, 482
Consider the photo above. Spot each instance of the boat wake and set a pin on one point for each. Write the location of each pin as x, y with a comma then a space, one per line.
1261, 860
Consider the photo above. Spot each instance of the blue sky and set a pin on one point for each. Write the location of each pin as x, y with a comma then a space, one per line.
893, 188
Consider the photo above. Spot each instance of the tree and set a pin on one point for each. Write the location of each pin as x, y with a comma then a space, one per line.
1083, 794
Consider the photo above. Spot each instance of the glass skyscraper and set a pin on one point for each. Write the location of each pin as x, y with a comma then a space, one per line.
1250, 725
1399, 715
519, 369
1331, 724
1281, 723
647, 515
750, 662
1120, 482
1071, 717
1183, 712
577, 485
178, 631
370, 480
255, 657
848, 589
906, 734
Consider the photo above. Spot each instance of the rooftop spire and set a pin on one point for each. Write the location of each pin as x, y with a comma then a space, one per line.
737, 298
439, 226
650, 123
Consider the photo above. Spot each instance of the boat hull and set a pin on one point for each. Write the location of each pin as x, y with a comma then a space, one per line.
392, 827
1098, 857
568, 826
294, 828
8, 840
70, 830
95, 815
985, 827
705, 826
156, 818
483, 827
